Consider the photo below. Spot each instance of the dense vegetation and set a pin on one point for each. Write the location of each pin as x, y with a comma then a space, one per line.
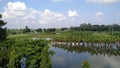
25, 53
82, 33
2, 30
26, 30
90, 27
82, 27
75, 36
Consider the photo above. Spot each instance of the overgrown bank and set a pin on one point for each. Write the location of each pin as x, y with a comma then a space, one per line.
25, 52
75, 36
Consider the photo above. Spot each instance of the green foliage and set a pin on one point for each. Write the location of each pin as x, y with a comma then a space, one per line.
50, 30
90, 27
75, 36
85, 64
88, 36
2, 23
36, 52
26, 30
2, 30
39, 30
64, 29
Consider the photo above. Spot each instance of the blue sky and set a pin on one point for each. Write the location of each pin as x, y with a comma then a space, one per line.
59, 13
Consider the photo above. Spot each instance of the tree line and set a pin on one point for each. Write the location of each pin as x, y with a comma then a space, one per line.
90, 27
82, 27
29, 30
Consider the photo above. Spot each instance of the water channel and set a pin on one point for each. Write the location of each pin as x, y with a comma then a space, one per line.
72, 56
67, 55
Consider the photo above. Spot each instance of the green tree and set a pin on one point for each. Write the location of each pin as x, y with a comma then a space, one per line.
2, 30
51, 30
63, 29
26, 30
39, 30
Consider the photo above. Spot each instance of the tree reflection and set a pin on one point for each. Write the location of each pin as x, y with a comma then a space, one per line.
85, 64
91, 48
25, 54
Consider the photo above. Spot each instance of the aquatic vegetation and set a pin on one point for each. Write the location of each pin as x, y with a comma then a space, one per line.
25, 53
85, 64
89, 36
75, 36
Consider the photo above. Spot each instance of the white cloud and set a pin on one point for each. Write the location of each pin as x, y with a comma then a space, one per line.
72, 13
49, 16
19, 11
103, 1
18, 15
16, 6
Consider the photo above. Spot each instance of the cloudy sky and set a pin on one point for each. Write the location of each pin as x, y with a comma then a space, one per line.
59, 13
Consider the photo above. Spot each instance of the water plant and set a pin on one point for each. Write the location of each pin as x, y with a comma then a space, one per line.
85, 64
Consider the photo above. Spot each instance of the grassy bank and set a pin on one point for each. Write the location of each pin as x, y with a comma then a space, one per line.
74, 36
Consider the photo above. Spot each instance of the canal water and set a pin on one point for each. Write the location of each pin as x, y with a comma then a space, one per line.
67, 55
73, 56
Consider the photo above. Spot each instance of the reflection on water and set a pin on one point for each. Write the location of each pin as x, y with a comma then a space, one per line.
36, 54
101, 55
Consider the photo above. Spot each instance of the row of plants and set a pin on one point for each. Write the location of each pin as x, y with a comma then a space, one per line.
75, 36
26, 53
89, 36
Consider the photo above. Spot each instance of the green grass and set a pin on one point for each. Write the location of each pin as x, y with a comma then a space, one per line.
74, 36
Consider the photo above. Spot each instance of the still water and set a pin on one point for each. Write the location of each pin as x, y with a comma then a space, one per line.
67, 55
73, 56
